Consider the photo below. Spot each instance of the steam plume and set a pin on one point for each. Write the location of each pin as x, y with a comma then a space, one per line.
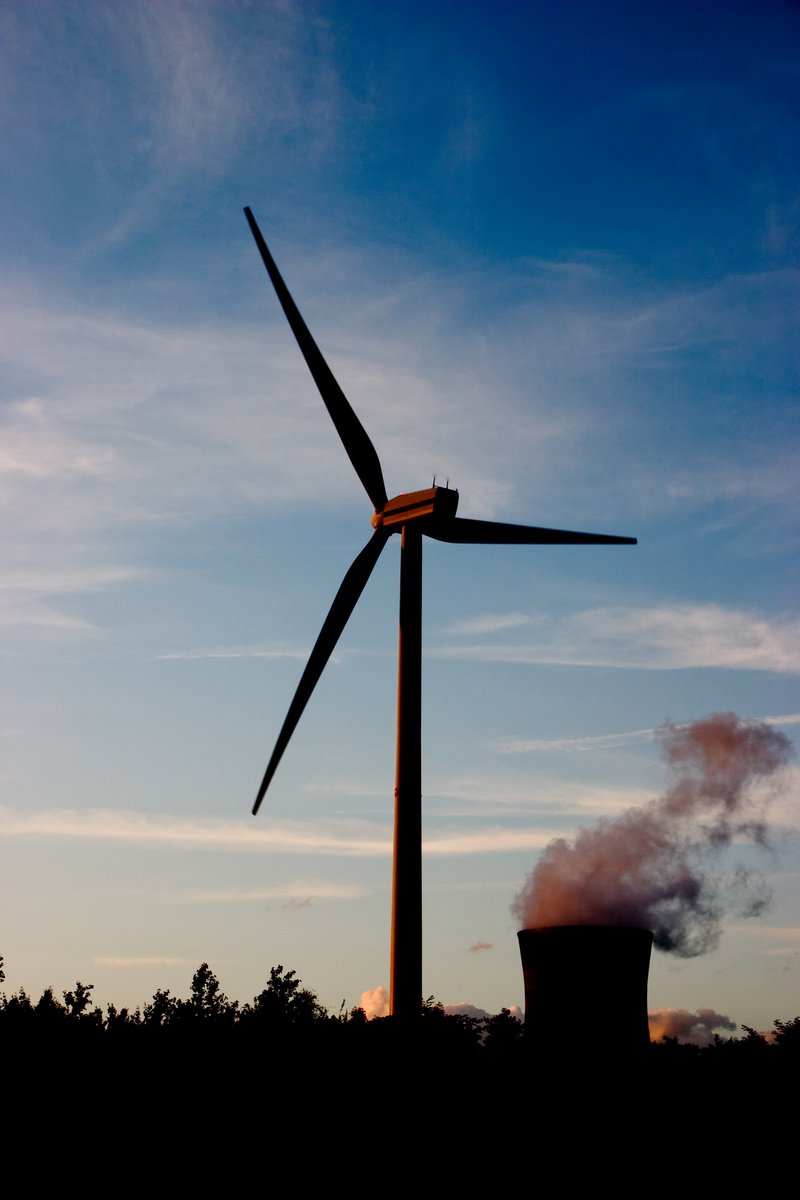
651, 867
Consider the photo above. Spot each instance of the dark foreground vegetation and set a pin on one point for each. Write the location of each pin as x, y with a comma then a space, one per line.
286, 1014
215, 1071
284, 1025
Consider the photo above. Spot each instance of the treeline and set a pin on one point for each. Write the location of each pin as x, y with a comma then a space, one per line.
287, 1013
210, 1084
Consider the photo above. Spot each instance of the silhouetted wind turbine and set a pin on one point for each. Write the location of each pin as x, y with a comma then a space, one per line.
430, 512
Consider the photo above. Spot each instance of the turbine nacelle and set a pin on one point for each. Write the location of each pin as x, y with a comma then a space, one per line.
437, 502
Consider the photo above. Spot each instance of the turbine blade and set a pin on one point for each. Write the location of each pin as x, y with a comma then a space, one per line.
360, 450
462, 529
345, 601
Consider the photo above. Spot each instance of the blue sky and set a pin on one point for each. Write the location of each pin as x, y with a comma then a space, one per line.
549, 251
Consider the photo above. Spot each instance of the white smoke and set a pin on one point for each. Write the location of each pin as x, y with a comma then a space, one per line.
652, 866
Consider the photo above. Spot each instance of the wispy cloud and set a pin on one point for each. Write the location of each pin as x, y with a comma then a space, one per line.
659, 638
344, 838
237, 652
488, 623
201, 101
41, 617
120, 428
102, 437
557, 805
122, 424
556, 799
22, 593
141, 960
189, 107
60, 581
340, 838
304, 890
721, 316
578, 269
605, 741
498, 840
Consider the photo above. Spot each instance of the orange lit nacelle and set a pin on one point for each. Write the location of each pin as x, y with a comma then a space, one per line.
411, 506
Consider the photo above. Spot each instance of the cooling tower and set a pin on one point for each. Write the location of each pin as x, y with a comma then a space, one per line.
586, 989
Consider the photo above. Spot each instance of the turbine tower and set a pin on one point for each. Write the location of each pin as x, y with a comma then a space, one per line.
432, 513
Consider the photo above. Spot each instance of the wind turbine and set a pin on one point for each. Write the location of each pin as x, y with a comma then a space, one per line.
432, 513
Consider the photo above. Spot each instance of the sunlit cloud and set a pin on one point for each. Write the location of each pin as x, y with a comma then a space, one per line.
486, 841
673, 637
484, 795
345, 838
560, 805
462, 1008
692, 1028
375, 1003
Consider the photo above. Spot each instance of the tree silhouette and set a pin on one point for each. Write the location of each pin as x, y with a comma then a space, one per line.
284, 1001
502, 1034
77, 1002
161, 1010
208, 1002
787, 1036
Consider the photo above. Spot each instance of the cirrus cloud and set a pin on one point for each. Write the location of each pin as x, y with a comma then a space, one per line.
661, 637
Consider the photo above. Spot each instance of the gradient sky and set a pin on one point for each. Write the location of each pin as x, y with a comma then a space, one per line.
549, 250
